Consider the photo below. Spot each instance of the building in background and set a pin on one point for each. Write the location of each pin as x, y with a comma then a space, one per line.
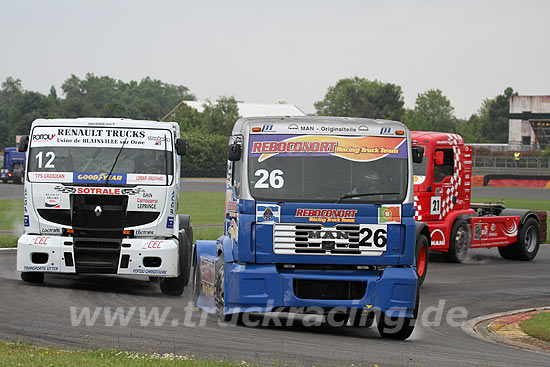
249, 109
529, 126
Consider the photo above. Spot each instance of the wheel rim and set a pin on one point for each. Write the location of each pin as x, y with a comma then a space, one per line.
421, 263
461, 240
530, 239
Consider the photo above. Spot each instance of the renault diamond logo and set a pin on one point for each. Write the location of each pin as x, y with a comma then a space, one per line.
98, 211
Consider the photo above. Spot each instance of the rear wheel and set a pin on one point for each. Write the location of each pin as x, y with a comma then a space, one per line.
527, 245
459, 242
32, 277
175, 286
421, 258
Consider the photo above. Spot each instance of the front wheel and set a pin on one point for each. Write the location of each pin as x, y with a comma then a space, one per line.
459, 242
32, 277
176, 286
421, 258
392, 327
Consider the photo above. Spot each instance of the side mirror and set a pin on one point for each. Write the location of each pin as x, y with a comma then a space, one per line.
417, 153
439, 158
23, 144
234, 152
181, 146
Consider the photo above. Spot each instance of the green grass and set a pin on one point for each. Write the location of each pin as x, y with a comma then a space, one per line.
26, 355
538, 326
204, 207
8, 241
11, 213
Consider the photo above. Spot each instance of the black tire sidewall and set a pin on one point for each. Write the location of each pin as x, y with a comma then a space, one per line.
521, 250
452, 255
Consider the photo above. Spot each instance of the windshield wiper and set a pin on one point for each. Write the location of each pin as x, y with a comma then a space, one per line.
114, 163
348, 196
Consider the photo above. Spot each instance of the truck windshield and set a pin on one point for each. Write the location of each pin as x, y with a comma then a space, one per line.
321, 168
88, 160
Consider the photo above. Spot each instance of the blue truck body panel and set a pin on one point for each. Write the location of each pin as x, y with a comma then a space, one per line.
11, 157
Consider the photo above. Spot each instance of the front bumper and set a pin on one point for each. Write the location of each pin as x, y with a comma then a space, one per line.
56, 254
262, 288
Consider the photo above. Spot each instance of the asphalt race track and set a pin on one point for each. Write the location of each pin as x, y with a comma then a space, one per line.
484, 284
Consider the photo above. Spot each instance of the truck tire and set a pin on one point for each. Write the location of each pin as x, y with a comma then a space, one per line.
185, 224
421, 258
528, 242
459, 242
399, 328
506, 252
176, 286
32, 277
361, 319
219, 291
18, 173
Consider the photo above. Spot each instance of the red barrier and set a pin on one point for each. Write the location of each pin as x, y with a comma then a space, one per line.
519, 183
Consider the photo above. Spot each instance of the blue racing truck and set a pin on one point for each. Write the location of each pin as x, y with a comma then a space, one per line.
319, 215
14, 166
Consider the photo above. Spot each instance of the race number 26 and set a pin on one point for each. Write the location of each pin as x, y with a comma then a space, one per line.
273, 179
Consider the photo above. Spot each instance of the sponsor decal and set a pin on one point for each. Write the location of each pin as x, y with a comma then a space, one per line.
293, 127
207, 276
42, 138
172, 203
50, 230
268, 214
233, 229
438, 238
327, 215
385, 131
389, 214
149, 271
98, 190
51, 200
40, 240
356, 148
101, 137
481, 231
40, 268
170, 222
51, 176
512, 230
26, 221
155, 244
147, 203
115, 178
143, 232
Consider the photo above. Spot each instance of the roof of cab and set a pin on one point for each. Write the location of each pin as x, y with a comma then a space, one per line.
244, 123
104, 122
435, 137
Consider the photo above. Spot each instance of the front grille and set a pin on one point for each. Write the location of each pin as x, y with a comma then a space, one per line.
98, 211
329, 289
96, 255
316, 239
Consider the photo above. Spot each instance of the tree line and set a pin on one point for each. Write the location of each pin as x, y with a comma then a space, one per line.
207, 131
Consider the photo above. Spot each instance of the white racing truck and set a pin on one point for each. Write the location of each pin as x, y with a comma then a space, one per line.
101, 197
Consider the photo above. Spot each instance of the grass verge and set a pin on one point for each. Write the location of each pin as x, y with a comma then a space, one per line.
26, 355
538, 326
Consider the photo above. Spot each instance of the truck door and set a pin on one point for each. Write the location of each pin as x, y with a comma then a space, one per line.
443, 192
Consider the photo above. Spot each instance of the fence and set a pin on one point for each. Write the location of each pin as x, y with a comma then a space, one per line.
534, 163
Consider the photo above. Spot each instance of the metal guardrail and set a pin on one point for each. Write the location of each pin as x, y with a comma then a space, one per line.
511, 163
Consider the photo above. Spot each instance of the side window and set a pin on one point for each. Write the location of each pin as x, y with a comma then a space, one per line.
236, 176
448, 166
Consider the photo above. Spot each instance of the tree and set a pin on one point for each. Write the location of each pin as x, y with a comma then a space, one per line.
219, 118
432, 112
359, 97
490, 123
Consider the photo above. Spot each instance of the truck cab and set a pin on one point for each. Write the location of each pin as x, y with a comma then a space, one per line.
101, 197
318, 213
442, 199
14, 166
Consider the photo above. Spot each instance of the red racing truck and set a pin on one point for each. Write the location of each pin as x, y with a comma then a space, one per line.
442, 193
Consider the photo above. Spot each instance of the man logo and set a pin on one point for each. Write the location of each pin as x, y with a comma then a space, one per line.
98, 211
293, 127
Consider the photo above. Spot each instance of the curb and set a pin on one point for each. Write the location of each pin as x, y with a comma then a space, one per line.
479, 328
8, 249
